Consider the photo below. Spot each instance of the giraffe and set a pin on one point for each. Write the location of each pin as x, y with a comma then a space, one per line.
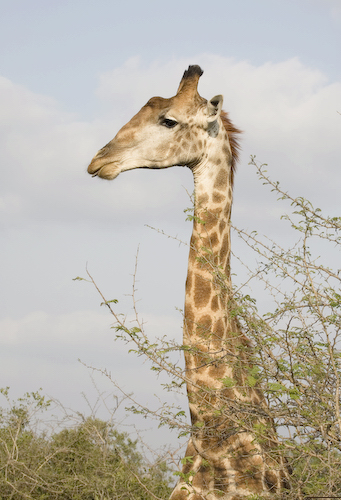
225, 458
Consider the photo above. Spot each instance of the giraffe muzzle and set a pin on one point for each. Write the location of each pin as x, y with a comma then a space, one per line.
105, 170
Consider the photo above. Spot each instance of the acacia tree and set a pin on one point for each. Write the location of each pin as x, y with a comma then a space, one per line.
298, 342
295, 346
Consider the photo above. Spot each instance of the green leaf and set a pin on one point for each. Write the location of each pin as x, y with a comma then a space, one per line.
113, 301
228, 382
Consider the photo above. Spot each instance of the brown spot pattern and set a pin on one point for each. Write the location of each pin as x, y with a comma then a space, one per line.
203, 198
204, 326
202, 291
215, 303
271, 480
222, 225
219, 330
217, 197
202, 478
211, 218
247, 475
213, 239
217, 371
221, 179
226, 151
225, 247
189, 318
189, 282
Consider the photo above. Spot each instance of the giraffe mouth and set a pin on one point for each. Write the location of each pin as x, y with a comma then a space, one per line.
94, 170
105, 171
94, 174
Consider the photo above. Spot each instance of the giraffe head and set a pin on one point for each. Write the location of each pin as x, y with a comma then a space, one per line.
164, 133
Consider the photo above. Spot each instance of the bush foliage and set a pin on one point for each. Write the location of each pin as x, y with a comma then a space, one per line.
87, 461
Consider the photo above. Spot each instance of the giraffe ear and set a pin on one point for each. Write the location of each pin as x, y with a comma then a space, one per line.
214, 106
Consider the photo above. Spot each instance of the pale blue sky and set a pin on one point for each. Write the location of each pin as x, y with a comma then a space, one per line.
60, 48
71, 73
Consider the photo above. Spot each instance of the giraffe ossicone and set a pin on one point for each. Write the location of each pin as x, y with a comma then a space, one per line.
225, 457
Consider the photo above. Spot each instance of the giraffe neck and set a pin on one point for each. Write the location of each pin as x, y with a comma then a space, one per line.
208, 330
222, 445
208, 278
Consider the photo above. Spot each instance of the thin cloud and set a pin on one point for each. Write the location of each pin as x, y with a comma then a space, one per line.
288, 112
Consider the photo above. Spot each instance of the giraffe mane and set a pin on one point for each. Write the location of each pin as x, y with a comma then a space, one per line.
233, 133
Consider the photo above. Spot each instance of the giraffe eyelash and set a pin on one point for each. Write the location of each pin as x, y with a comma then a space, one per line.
168, 123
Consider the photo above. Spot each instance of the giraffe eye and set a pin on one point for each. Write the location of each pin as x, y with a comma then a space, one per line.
168, 123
